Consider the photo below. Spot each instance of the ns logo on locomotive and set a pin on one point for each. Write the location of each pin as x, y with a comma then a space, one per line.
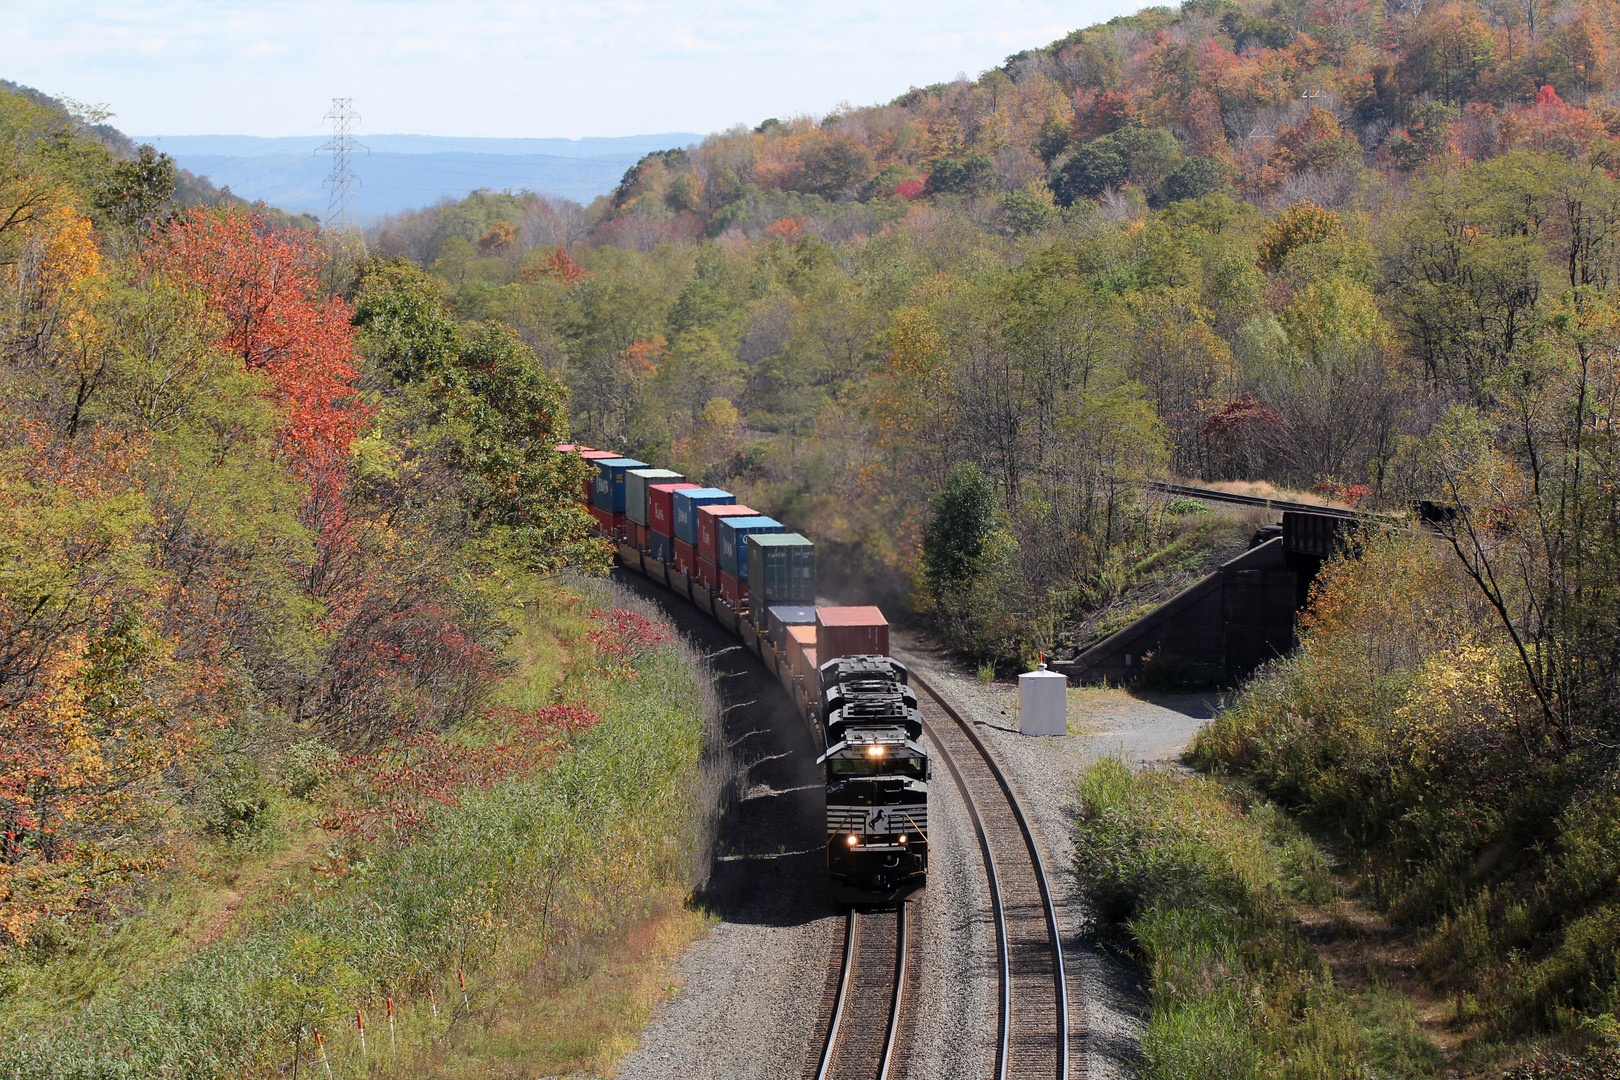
757, 580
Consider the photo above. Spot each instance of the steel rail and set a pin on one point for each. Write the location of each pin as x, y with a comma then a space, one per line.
1002, 942
835, 1030
891, 1040
1059, 977
838, 1003
1213, 495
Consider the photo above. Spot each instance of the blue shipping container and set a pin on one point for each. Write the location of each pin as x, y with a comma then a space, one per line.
610, 482
782, 616
663, 547
686, 504
733, 541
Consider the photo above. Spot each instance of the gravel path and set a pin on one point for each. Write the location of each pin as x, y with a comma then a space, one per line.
1043, 772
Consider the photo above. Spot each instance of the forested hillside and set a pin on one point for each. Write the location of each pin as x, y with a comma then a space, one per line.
1367, 251
284, 601
1271, 243
282, 527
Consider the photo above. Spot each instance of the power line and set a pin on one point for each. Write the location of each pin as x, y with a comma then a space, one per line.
340, 212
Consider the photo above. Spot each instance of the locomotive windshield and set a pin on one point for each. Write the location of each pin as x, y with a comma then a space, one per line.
915, 768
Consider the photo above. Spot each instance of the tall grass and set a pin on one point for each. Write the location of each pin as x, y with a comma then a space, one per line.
1200, 884
508, 887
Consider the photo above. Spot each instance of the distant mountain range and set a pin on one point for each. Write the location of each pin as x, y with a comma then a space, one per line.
403, 172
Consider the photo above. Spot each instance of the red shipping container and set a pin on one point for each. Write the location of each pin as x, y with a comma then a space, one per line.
709, 533
708, 574
850, 631
732, 591
590, 483
685, 558
661, 506
611, 524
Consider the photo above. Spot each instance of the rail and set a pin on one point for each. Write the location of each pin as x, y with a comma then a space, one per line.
1029, 1056
866, 1047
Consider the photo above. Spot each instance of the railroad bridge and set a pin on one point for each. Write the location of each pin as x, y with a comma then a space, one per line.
1236, 618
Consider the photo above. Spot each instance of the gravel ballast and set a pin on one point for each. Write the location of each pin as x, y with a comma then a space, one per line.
748, 996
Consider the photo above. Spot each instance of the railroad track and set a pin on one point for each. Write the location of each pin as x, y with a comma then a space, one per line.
1034, 1037
863, 1039
872, 1003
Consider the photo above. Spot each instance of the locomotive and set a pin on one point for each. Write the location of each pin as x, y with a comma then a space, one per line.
875, 771
699, 542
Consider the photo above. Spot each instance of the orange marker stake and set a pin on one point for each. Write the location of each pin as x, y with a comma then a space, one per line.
360, 1019
433, 1001
463, 980
320, 1042
391, 1045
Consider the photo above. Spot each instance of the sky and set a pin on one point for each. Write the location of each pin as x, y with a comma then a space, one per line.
545, 68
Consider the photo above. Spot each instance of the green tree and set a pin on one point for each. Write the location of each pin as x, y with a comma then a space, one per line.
959, 530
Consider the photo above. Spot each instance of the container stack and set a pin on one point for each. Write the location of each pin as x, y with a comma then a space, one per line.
636, 483
708, 539
609, 503
733, 549
781, 571
685, 505
661, 520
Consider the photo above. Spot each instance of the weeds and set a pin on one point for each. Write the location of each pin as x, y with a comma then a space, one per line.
517, 868
1200, 885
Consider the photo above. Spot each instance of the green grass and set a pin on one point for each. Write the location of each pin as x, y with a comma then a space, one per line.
528, 886
1201, 884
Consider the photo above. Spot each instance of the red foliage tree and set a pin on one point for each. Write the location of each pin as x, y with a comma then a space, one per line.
265, 283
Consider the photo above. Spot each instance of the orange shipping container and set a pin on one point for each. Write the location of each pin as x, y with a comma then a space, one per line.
801, 652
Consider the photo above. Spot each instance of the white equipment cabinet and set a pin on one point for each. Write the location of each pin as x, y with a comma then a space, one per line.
1043, 703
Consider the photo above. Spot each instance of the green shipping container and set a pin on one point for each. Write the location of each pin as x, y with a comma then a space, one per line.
781, 570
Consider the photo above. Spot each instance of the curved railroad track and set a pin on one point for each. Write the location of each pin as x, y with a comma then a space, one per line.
863, 1038
1034, 1032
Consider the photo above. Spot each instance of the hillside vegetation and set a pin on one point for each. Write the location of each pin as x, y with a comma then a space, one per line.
1270, 243
1366, 250
303, 716
278, 519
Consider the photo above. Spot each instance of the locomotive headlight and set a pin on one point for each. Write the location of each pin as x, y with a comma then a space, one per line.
902, 838
874, 751
852, 839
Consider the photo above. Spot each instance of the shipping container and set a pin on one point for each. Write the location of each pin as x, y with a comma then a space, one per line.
708, 574
609, 524
638, 534
850, 631
685, 557
660, 547
731, 542
636, 482
661, 506
592, 456
782, 569
733, 592
708, 531
610, 481
686, 504
801, 650
781, 616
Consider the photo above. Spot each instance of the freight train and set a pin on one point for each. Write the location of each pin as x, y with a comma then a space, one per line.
758, 580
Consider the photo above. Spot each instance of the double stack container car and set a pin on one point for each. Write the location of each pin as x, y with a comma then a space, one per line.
758, 580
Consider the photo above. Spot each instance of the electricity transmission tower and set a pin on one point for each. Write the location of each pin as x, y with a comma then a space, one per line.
340, 212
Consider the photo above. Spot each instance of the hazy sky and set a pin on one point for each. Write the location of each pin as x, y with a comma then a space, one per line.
483, 67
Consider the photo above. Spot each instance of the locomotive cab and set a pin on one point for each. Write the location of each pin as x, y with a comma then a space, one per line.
877, 815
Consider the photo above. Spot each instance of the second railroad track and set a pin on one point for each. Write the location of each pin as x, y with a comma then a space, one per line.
873, 1001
